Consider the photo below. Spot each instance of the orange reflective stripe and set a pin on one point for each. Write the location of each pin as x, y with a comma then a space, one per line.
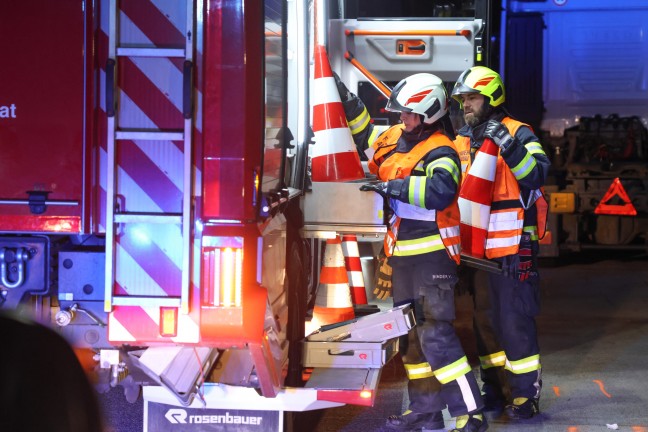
542, 207
389, 242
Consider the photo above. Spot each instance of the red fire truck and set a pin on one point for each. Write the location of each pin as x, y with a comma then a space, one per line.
157, 207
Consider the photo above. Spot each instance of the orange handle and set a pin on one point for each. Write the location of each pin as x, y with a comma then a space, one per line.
463, 32
382, 88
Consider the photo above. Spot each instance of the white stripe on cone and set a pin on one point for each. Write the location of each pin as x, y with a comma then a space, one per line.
485, 168
475, 198
354, 268
334, 155
326, 91
336, 142
333, 300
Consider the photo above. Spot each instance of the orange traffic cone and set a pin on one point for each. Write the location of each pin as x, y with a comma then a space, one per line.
475, 199
354, 269
334, 155
333, 300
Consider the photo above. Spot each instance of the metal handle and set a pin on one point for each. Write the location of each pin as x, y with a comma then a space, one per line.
21, 255
462, 32
187, 89
111, 66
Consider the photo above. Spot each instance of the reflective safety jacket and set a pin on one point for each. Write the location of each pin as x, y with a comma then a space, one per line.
512, 211
426, 214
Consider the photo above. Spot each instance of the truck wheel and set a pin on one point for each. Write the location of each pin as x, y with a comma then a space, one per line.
296, 289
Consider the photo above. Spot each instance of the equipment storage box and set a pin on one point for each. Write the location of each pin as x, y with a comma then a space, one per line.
366, 342
349, 354
343, 207
376, 327
45, 129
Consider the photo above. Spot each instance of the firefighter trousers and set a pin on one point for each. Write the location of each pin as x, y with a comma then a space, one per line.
506, 334
436, 365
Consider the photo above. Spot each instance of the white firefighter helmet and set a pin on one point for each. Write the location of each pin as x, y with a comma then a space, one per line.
421, 93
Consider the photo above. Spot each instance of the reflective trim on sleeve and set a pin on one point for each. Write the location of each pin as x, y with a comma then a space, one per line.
453, 371
493, 360
532, 230
418, 371
534, 148
447, 164
359, 123
523, 169
524, 365
416, 192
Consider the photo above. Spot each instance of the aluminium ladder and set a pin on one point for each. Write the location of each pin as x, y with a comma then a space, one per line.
116, 216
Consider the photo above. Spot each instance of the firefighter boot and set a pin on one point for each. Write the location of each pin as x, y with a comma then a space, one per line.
522, 408
471, 423
412, 421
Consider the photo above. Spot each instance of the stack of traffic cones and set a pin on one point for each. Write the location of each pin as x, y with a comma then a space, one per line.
334, 155
333, 301
475, 200
354, 269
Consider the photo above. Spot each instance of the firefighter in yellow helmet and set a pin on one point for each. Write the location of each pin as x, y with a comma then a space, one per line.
417, 166
505, 310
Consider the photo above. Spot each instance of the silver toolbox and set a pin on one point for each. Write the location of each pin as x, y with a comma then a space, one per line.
343, 208
376, 327
349, 354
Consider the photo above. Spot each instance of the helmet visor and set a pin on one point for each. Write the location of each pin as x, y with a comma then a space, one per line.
393, 104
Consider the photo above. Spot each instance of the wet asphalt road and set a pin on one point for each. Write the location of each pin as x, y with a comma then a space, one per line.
593, 331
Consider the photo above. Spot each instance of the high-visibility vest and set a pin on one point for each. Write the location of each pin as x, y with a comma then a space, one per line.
390, 165
507, 208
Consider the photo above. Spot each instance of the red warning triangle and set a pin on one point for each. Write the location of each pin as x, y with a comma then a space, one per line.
625, 209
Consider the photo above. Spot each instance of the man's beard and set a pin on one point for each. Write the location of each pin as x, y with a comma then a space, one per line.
476, 118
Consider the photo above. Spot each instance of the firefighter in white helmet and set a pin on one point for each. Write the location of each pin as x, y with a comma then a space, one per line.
418, 171
505, 310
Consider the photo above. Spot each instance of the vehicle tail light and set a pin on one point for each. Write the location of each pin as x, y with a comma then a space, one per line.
168, 321
223, 267
353, 397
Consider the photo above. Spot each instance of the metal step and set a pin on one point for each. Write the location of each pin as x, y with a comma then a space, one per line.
150, 135
181, 370
153, 218
150, 52
148, 301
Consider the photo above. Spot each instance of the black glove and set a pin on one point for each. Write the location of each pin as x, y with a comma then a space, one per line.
380, 188
526, 268
498, 133
342, 89
383, 281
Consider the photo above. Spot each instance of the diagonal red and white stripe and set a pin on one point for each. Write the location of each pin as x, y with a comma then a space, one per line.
334, 155
475, 199
354, 269
149, 176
